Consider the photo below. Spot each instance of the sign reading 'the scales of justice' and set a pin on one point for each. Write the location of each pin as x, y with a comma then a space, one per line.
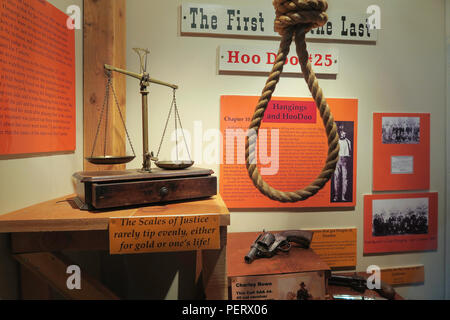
133, 235
244, 21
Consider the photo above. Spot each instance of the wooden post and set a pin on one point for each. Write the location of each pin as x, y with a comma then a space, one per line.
214, 270
104, 43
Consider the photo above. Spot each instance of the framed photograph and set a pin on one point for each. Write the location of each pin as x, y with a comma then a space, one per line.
401, 151
401, 130
400, 222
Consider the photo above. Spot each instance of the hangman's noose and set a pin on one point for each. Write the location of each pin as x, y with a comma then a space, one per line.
293, 20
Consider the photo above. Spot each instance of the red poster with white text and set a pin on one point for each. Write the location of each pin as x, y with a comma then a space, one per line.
401, 151
292, 150
37, 78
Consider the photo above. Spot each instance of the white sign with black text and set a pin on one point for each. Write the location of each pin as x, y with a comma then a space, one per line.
245, 21
260, 59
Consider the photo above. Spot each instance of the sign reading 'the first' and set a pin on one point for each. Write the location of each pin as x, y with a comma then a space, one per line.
245, 21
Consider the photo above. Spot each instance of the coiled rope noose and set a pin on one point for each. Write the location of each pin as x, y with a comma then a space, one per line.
293, 20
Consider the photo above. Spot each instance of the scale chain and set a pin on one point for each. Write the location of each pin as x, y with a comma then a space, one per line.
103, 110
123, 121
105, 106
177, 116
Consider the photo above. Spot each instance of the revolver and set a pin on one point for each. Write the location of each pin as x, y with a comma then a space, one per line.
268, 244
359, 284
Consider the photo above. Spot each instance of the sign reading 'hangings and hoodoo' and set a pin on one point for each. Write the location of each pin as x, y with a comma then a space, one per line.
245, 21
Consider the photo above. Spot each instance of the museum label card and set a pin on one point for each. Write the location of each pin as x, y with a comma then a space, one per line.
258, 22
337, 247
235, 59
400, 222
294, 286
292, 148
403, 275
401, 151
164, 234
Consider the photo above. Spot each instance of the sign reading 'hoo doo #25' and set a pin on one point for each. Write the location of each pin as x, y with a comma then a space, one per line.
244, 21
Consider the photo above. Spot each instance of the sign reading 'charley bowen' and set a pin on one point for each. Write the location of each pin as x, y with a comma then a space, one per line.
163, 234
244, 21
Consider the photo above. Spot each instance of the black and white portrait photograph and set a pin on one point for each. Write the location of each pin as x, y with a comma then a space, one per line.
392, 217
401, 130
342, 179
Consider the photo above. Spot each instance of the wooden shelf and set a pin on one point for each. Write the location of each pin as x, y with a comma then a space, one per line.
62, 215
40, 232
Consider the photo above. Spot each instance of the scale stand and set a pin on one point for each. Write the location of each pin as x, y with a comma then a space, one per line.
170, 181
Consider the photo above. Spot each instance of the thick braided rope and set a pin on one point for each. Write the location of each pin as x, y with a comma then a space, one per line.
289, 23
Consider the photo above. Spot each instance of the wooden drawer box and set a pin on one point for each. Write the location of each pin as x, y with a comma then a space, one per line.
95, 191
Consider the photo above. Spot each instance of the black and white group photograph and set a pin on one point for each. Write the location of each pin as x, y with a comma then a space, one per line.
400, 217
401, 130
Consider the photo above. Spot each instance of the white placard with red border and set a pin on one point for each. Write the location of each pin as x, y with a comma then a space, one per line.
260, 59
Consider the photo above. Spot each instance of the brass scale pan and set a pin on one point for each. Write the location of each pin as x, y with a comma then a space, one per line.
168, 165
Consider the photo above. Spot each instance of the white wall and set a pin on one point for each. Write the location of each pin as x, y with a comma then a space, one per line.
402, 73
26, 181
447, 263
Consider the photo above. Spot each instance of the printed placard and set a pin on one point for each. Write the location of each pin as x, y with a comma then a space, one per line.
257, 22
403, 275
163, 234
260, 59
279, 111
337, 247
37, 79
402, 164
294, 286
291, 147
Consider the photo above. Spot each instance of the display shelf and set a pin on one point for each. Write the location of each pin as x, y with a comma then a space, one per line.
38, 231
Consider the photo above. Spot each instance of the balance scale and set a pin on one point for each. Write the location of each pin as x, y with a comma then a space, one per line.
169, 181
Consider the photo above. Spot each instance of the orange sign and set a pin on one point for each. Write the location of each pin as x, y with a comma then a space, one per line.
403, 275
291, 150
400, 222
37, 78
163, 234
401, 151
337, 247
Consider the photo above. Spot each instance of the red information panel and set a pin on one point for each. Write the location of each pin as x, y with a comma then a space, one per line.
37, 78
401, 151
400, 222
292, 150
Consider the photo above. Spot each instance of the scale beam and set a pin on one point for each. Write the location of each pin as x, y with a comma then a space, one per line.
141, 77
